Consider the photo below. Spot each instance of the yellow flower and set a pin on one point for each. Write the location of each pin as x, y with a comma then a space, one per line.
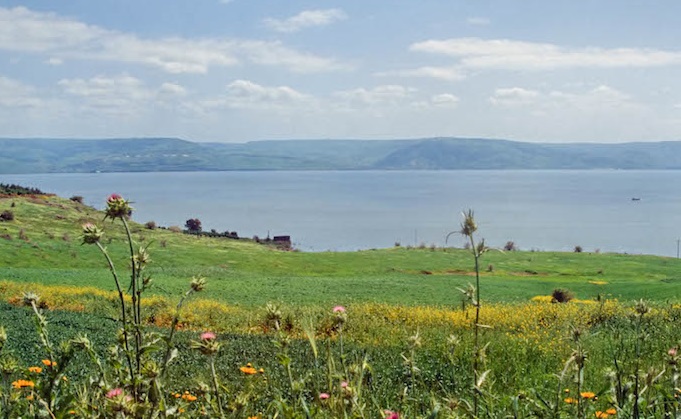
29, 397
48, 363
72, 412
261, 370
587, 394
36, 370
570, 400
23, 384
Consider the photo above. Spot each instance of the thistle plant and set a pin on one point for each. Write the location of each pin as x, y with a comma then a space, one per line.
477, 248
144, 375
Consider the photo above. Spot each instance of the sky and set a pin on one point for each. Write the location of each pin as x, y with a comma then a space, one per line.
241, 70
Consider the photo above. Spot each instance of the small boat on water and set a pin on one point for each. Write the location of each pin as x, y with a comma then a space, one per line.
635, 199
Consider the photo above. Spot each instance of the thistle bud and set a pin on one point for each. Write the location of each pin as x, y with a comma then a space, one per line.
468, 226
198, 283
30, 298
91, 233
117, 207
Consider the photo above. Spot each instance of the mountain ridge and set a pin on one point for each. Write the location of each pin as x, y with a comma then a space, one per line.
62, 155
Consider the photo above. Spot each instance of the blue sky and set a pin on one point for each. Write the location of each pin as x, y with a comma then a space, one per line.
242, 70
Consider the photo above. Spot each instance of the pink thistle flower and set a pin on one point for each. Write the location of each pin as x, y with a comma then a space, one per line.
114, 197
339, 309
114, 392
344, 384
672, 352
207, 336
389, 414
323, 396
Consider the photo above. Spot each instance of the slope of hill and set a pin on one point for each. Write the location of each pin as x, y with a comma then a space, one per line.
171, 154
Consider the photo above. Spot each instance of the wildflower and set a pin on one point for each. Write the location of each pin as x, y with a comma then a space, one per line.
261, 370
72, 412
30, 397
611, 411
207, 336
35, 370
324, 396
207, 344
114, 392
248, 369
188, 397
600, 414
672, 351
117, 207
49, 363
339, 309
587, 395
177, 395
23, 384
344, 384
91, 233
570, 400
389, 414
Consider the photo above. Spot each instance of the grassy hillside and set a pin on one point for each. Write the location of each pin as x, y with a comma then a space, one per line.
42, 245
405, 342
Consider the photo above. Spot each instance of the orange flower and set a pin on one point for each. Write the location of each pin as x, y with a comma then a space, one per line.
570, 400
48, 363
611, 411
23, 384
600, 414
248, 369
587, 394
188, 397
36, 370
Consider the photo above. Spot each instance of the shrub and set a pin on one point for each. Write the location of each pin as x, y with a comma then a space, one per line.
510, 246
150, 225
175, 229
578, 249
193, 225
77, 198
561, 295
7, 215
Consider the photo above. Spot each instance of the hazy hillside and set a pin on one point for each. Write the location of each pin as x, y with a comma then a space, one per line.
171, 154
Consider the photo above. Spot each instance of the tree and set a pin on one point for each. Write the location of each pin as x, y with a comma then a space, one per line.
193, 225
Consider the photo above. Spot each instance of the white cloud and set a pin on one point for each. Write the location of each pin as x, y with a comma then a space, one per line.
513, 96
24, 30
379, 95
452, 73
54, 61
478, 21
598, 100
305, 19
119, 95
172, 90
476, 53
14, 94
245, 94
444, 99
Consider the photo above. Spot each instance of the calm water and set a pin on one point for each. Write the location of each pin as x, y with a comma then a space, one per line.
544, 210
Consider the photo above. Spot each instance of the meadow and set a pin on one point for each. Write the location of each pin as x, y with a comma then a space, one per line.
337, 334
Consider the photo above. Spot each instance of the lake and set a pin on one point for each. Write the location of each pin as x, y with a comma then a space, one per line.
541, 210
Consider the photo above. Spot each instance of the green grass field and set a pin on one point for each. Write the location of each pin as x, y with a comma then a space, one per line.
249, 274
392, 295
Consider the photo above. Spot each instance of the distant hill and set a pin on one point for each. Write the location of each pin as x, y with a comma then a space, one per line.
23, 155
